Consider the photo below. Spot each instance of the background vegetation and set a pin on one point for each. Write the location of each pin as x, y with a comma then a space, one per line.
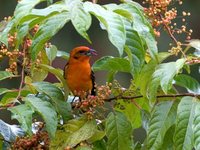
162, 98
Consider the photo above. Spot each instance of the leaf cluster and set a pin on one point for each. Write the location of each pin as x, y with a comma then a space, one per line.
151, 102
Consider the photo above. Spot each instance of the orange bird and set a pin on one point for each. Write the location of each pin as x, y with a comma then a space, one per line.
78, 73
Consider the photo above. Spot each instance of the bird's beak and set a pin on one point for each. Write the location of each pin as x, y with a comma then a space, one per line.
92, 52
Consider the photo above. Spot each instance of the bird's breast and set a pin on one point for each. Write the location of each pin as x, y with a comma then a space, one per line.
79, 77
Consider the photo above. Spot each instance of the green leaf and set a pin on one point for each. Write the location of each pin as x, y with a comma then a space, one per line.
11, 96
84, 148
130, 111
5, 75
82, 133
195, 43
118, 131
115, 8
22, 9
112, 22
10, 132
57, 98
164, 75
23, 114
163, 117
142, 26
145, 119
47, 29
99, 145
63, 54
56, 7
80, 19
38, 74
144, 79
51, 52
74, 132
98, 135
168, 143
196, 125
46, 110
188, 82
4, 90
112, 64
59, 75
183, 131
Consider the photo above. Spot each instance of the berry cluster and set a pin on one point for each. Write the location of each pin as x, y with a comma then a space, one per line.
38, 141
16, 56
90, 102
160, 14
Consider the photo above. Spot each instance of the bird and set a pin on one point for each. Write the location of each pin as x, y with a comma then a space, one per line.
78, 73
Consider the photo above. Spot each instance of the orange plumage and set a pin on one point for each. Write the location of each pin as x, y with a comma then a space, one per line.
78, 73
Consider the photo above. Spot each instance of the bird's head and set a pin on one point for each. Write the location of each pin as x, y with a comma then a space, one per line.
82, 53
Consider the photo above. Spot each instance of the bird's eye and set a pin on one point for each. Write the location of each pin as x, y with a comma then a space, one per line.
81, 52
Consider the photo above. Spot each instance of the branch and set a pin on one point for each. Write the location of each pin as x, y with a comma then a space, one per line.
159, 96
22, 72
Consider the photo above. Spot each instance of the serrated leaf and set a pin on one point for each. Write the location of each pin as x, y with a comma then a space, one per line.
5, 75
57, 98
118, 132
196, 125
188, 82
80, 19
23, 114
164, 75
112, 23
183, 131
51, 52
47, 29
10, 132
142, 26
46, 110
112, 64
163, 117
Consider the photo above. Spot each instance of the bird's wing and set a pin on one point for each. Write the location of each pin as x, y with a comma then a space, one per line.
65, 69
93, 91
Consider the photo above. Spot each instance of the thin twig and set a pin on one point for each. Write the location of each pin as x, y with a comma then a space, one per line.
159, 96
22, 72
171, 35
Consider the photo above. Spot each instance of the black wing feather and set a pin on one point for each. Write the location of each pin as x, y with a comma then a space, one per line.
93, 91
